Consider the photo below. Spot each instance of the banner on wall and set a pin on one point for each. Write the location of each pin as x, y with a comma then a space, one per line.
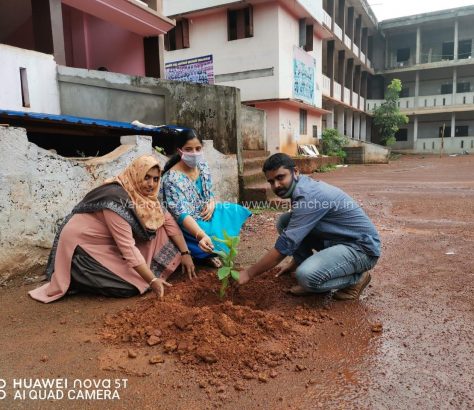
195, 70
304, 76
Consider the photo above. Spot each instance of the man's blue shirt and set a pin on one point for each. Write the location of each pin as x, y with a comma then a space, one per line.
329, 213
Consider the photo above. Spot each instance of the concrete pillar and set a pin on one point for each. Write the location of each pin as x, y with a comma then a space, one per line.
415, 129
48, 29
331, 63
340, 120
358, 32
349, 123
356, 126
332, 13
418, 45
455, 84
357, 83
364, 40
456, 39
330, 119
341, 71
363, 127
417, 88
453, 125
342, 15
350, 24
349, 83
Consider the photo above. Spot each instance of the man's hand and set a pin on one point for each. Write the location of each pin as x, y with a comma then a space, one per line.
208, 210
289, 268
158, 286
188, 266
244, 277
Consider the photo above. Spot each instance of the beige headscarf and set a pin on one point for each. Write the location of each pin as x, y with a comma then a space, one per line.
147, 207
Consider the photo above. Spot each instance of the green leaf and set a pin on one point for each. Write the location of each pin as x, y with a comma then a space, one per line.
235, 274
223, 272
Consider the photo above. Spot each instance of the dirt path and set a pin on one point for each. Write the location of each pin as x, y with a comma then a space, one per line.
284, 352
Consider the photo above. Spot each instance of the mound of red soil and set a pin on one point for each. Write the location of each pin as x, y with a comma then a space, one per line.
247, 336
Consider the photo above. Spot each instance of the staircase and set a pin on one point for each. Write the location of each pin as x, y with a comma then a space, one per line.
253, 185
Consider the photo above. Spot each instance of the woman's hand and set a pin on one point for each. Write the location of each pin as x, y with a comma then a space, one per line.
158, 286
206, 244
208, 210
188, 266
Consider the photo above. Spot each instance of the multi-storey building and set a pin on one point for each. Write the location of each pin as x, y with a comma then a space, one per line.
433, 57
348, 66
271, 50
123, 36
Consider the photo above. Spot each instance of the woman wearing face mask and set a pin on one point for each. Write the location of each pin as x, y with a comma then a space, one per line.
187, 193
118, 241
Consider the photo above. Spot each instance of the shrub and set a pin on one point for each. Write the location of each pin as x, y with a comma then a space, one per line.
333, 143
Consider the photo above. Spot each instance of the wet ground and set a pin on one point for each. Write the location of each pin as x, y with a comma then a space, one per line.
408, 344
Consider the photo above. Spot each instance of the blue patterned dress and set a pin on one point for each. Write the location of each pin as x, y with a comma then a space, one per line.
184, 197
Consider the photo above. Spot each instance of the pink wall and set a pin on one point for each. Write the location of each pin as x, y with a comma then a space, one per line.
92, 43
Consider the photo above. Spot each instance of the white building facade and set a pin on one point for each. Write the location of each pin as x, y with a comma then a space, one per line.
270, 50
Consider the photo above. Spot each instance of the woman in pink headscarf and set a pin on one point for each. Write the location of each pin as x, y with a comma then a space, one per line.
118, 241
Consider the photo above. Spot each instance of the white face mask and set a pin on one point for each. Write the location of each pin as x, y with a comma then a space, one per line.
192, 160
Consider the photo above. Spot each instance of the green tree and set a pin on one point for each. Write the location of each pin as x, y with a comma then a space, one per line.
388, 118
333, 143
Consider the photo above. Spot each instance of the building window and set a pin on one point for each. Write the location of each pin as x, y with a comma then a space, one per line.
239, 23
403, 54
447, 88
25, 93
178, 37
405, 93
448, 50
462, 131
465, 49
463, 87
315, 132
402, 135
303, 122
306, 35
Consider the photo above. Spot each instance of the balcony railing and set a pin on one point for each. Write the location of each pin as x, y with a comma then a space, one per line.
355, 49
428, 101
464, 98
326, 86
327, 20
347, 95
362, 103
347, 41
338, 32
363, 57
337, 90
355, 97
369, 63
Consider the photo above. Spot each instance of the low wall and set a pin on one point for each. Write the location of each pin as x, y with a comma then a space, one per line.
362, 152
253, 128
308, 165
39, 188
214, 111
39, 80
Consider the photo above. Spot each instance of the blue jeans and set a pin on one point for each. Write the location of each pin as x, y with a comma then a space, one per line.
336, 267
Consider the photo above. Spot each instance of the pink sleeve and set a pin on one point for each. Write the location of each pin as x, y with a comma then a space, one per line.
121, 231
171, 226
